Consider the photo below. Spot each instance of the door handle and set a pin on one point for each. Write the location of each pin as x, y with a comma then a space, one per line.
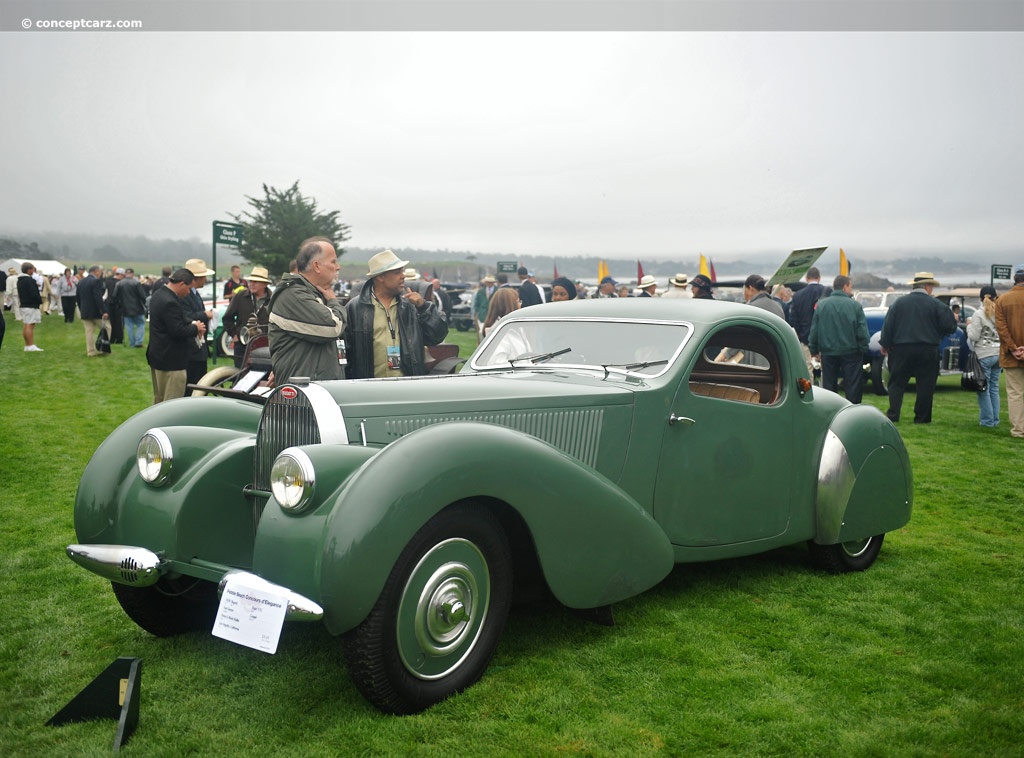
673, 418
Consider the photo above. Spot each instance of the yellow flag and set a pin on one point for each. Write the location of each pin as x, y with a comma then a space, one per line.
602, 270
844, 263
704, 269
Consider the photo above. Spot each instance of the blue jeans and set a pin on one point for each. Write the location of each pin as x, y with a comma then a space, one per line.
988, 401
136, 328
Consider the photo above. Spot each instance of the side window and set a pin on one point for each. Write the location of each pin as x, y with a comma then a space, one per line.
739, 363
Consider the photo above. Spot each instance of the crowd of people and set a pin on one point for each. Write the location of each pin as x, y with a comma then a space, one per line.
394, 314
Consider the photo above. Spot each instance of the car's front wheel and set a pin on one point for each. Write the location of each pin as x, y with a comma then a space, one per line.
855, 555
171, 606
437, 622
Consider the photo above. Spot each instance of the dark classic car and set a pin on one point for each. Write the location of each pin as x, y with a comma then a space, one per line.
379, 508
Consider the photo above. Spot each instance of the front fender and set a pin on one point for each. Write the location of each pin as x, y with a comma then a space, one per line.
596, 545
865, 482
114, 506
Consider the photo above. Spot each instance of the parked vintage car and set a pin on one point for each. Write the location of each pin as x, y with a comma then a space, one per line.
589, 444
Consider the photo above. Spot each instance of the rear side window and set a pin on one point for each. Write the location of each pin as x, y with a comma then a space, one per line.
738, 363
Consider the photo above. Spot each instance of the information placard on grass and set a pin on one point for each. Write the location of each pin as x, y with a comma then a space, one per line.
250, 616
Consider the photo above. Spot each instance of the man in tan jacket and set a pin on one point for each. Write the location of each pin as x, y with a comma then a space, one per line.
1010, 325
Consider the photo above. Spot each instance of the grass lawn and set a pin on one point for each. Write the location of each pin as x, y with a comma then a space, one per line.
919, 656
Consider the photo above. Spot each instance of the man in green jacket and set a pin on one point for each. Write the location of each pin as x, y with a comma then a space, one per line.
839, 336
481, 302
306, 318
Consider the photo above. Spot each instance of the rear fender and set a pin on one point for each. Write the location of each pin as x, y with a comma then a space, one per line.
865, 482
595, 544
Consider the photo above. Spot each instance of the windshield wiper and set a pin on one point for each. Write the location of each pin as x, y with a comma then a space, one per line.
631, 366
540, 357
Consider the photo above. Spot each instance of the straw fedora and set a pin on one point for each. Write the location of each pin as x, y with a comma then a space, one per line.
259, 274
924, 277
646, 281
680, 280
383, 262
198, 267
411, 275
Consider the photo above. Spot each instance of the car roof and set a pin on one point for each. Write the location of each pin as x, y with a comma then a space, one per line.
657, 309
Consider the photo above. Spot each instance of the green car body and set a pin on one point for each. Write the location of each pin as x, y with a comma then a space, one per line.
601, 465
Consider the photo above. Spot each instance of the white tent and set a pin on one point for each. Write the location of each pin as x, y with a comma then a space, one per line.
44, 267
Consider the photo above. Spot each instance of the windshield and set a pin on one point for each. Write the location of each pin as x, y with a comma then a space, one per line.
638, 347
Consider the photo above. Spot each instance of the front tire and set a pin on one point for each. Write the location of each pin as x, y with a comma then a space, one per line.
437, 622
855, 555
170, 607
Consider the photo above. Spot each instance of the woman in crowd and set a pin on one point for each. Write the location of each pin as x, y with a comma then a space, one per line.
503, 302
562, 289
984, 341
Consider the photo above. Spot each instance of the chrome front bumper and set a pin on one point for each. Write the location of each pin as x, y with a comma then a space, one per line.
139, 567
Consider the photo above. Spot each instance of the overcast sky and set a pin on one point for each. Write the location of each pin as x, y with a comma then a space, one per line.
637, 144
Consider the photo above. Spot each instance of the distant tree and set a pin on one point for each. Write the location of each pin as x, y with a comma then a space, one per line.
277, 224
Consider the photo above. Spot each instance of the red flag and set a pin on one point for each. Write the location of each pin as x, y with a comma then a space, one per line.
639, 271
556, 269
711, 265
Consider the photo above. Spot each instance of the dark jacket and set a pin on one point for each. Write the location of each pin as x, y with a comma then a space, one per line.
195, 310
838, 327
242, 306
801, 309
171, 334
90, 298
304, 330
28, 292
130, 294
528, 294
917, 319
416, 328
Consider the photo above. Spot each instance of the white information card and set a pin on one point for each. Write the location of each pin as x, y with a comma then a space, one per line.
250, 616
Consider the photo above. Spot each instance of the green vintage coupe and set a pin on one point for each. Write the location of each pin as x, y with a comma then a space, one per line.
589, 444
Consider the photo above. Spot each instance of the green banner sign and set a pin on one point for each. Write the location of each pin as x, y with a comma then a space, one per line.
506, 267
1001, 272
227, 234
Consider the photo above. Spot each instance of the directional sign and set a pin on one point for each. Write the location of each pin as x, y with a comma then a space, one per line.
507, 267
227, 234
796, 265
1001, 272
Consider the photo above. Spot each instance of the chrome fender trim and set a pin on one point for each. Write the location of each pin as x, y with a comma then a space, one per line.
134, 566
835, 483
300, 608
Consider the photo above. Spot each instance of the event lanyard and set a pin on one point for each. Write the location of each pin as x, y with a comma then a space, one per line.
387, 315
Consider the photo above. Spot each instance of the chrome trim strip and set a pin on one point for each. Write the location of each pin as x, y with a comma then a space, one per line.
124, 564
300, 608
835, 483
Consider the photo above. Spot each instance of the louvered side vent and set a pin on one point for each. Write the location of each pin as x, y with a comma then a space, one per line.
285, 422
575, 432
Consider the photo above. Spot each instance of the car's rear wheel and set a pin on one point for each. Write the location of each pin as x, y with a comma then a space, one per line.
878, 366
855, 555
437, 622
171, 606
226, 344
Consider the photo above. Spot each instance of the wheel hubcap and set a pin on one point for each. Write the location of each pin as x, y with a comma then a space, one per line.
855, 548
443, 608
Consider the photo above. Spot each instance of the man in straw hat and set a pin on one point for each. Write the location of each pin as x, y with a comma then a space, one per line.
678, 287
913, 329
306, 319
253, 300
389, 324
482, 302
196, 310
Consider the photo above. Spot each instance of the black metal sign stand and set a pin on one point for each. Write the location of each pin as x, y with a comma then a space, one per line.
114, 694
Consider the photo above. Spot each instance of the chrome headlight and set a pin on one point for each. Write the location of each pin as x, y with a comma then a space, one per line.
292, 479
154, 457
